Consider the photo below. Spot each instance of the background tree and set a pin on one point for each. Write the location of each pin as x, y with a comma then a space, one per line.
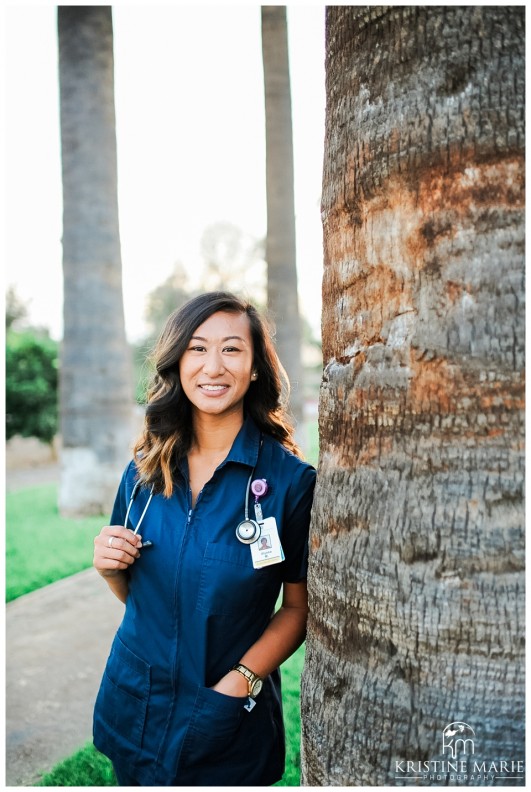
16, 309
96, 390
233, 261
31, 375
31, 385
416, 572
282, 296
164, 299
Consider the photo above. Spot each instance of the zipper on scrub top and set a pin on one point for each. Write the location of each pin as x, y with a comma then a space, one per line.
191, 508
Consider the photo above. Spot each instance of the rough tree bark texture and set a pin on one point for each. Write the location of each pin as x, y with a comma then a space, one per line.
282, 295
416, 571
96, 381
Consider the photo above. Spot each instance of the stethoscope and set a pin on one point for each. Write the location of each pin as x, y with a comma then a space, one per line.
137, 486
247, 532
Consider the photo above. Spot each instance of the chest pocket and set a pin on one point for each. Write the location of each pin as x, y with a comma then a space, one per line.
229, 584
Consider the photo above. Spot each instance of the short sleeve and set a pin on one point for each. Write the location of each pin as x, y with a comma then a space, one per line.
297, 525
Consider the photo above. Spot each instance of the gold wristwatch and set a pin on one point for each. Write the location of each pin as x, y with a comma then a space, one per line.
253, 680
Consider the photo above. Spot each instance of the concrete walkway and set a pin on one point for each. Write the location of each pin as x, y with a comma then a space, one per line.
57, 641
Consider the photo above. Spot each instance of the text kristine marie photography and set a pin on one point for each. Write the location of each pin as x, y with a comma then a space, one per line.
460, 764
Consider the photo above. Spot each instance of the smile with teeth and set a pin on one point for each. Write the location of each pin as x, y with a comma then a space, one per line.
213, 387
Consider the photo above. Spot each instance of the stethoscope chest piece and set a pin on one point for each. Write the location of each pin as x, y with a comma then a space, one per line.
248, 531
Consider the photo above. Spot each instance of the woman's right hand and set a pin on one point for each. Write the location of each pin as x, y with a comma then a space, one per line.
115, 549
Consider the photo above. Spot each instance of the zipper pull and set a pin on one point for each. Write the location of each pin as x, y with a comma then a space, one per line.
189, 516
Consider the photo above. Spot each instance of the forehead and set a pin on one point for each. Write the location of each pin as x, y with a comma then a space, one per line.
224, 324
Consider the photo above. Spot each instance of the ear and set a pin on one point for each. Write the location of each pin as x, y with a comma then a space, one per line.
254, 375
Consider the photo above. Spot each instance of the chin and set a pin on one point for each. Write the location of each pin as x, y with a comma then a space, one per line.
220, 409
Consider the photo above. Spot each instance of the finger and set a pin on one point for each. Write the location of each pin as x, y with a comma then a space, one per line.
116, 530
115, 548
120, 548
113, 535
107, 558
103, 564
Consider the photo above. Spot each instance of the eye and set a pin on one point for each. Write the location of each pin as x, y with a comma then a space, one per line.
231, 349
196, 348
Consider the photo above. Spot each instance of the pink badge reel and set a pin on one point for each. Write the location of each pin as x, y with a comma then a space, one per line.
259, 488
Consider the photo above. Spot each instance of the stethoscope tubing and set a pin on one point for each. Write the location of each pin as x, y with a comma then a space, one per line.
131, 499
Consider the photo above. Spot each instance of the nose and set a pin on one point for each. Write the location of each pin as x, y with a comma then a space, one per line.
213, 363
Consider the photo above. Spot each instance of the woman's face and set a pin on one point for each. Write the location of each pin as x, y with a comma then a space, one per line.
215, 369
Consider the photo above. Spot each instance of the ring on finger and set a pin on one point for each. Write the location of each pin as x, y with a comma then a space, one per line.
111, 538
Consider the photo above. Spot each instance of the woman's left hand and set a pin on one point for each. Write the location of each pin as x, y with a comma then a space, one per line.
232, 684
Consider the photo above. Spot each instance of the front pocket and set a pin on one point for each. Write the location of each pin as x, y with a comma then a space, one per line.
213, 725
123, 696
229, 584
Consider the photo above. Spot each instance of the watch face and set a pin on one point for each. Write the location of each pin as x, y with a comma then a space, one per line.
257, 687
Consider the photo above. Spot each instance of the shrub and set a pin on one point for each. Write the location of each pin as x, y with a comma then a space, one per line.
31, 385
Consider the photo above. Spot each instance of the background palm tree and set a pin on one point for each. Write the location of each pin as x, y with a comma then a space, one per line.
282, 297
416, 570
96, 385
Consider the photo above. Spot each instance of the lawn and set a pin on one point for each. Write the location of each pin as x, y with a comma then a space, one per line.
42, 546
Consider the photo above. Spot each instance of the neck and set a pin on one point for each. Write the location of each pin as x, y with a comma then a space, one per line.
214, 434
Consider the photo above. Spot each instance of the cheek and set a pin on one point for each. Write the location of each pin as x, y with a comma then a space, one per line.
185, 374
244, 375
186, 366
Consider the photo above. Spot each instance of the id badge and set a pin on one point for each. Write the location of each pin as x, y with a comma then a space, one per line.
268, 549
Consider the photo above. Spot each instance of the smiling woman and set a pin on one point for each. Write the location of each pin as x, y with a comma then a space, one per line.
171, 411
215, 373
217, 364
191, 692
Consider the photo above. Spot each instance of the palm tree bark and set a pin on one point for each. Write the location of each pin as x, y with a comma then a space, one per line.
416, 579
96, 379
282, 294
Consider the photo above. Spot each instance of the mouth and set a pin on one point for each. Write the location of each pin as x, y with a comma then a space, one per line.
213, 390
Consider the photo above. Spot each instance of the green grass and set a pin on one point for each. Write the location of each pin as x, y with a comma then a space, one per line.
42, 546
291, 676
87, 767
312, 453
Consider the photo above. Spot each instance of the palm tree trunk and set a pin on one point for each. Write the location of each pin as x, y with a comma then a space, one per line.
416, 575
96, 379
282, 295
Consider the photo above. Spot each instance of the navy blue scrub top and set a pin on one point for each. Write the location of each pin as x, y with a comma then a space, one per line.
195, 605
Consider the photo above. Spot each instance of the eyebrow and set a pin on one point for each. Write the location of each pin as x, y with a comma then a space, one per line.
227, 338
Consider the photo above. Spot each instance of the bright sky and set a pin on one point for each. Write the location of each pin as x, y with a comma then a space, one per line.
191, 144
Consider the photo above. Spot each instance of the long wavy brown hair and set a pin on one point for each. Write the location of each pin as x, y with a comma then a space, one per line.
168, 432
